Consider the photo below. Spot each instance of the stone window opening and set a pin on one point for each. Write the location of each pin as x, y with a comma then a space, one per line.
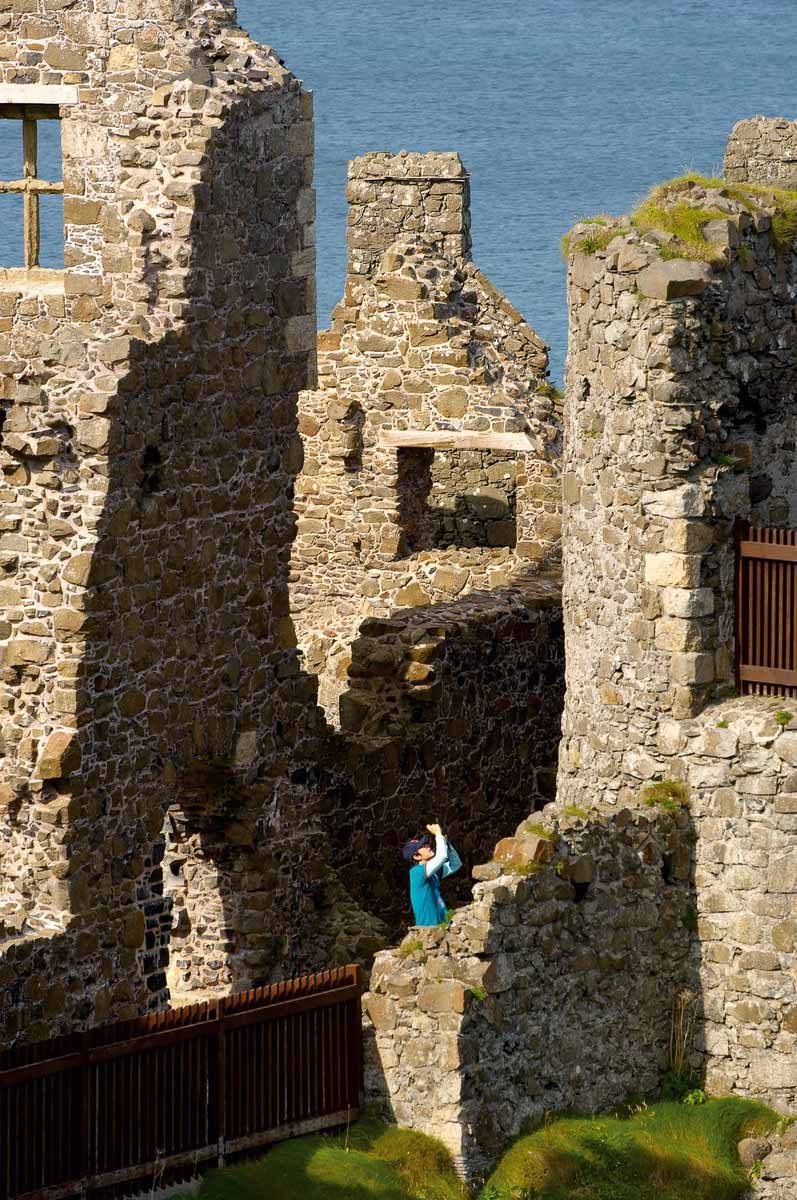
450, 499
30, 144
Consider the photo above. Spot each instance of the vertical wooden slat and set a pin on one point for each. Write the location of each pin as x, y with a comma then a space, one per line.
221, 1084
98, 1117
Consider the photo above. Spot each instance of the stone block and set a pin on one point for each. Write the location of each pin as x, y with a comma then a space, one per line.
382, 1011
718, 743
668, 570
60, 755
674, 634
782, 875
685, 500
692, 668
672, 279
528, 848
448, 996
687, 603
585, 270
786, 747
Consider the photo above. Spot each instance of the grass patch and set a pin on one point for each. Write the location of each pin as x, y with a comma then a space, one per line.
669, 794
667, 209
594, 240
669, 1151
573, 810
783, 717
375, 1162
682, 221
412, 945
550, 390
526, 868
539, 830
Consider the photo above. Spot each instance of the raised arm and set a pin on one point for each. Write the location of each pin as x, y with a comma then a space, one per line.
440, 853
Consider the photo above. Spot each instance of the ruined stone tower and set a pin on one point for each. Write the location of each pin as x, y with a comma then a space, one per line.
148, 394
681, 412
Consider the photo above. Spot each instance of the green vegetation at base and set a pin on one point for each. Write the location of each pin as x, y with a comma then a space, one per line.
668, 210
372, 1162
669, 1151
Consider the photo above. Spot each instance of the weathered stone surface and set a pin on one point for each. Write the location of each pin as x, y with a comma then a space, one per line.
60, 756
673, 279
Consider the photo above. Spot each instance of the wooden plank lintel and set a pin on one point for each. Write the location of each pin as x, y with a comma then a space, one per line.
444, 439
42, 112
768, 550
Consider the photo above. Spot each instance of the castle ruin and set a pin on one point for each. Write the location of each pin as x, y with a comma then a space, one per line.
266, 598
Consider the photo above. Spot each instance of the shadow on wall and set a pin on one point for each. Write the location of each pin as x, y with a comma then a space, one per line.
178, 639
552, 991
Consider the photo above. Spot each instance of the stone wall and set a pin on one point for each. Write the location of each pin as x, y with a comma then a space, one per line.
148, 448
763, 150
672, 838
451, 498
551, 991
425, 367
452, 715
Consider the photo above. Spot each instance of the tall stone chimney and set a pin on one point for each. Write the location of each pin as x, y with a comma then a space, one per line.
394, 194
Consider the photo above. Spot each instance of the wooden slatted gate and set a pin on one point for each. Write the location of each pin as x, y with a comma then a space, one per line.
766, 610
141, 1099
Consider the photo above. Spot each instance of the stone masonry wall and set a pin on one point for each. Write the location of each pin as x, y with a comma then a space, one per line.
148, 449
452, 715
763, 150
551, 991
461, 498
424, 359
391, 195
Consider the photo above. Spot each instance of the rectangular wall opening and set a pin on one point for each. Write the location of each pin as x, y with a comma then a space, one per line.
456, 498
31, 187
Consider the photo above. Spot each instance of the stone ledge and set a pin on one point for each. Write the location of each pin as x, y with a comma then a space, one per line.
37, 93
450, 439
37, 281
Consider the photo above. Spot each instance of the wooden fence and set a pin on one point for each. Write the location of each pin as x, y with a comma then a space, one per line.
766, 610
182, 1089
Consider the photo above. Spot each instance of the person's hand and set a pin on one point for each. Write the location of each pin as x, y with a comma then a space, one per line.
435, 829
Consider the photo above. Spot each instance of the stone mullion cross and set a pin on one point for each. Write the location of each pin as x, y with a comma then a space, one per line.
31, 188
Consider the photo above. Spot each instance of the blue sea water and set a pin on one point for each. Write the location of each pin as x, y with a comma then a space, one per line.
559, 108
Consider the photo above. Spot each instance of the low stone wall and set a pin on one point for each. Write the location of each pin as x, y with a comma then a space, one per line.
552, 990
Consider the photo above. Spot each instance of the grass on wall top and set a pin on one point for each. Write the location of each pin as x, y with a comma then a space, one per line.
668, 210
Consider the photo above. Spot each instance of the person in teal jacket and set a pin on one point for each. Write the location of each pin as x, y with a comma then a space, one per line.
427, 865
